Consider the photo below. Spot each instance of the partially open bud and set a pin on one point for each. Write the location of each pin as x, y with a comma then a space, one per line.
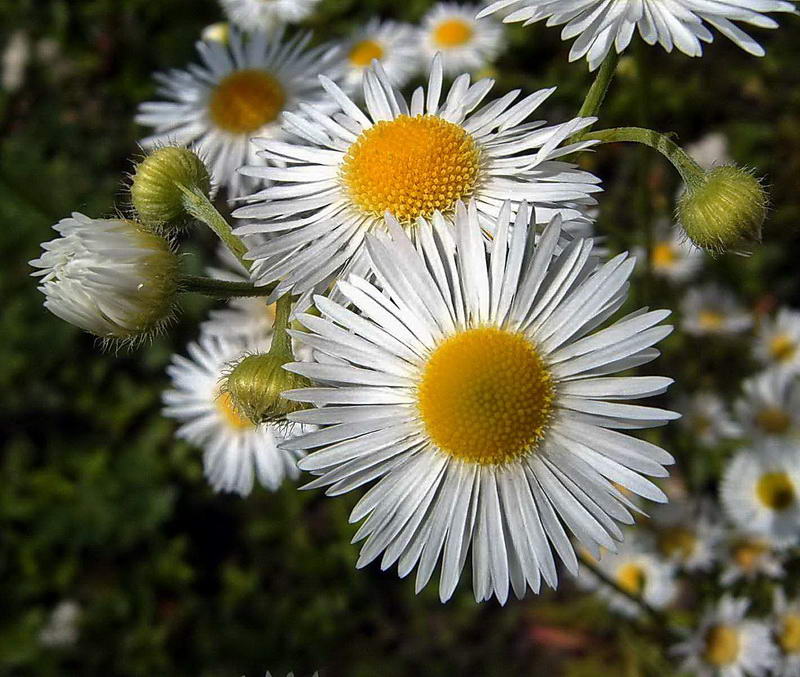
724, 210
155, 194
255, 385
111, 277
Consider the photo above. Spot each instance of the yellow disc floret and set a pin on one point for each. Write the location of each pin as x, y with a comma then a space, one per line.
231, 415
631, 578
789, 635
453, 33
722, 645
710, 320
411, 166
362, 53
246, 100
782, 348
775, 490
773, 420
663, 255
748, 554
486, 396
677, 542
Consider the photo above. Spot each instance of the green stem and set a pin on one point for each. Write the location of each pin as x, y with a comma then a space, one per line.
597, 92
281, 341
691, 173
200, 207
221, 289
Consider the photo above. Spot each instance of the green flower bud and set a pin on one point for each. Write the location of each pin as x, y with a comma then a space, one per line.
724, 210
155, 191
255, 385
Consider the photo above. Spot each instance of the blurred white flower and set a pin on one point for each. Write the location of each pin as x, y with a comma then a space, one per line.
62, 627
712, 310
394, 45
770, 405
16, 55
706, 417
465, 43
727, 644
267, 15
778, 340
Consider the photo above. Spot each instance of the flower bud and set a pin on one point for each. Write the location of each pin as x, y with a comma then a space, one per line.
217, 32
155, 194
255, 385
725, 210
110, 277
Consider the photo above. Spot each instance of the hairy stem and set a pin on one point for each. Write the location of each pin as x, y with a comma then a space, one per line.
597, 92
281, 341
691, 173
221, 289
200, 207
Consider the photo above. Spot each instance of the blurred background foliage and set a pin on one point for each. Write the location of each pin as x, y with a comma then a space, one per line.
99, 504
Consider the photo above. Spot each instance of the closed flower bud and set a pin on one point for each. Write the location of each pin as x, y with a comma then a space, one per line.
110, 277
724, 210
255, 385
155, 192
217, 32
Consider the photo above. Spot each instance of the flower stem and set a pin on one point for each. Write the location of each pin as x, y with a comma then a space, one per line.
281, 341
597, 92
200, 207
691, 173
221, 289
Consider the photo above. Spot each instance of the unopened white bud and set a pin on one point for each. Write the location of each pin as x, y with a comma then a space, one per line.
110, 277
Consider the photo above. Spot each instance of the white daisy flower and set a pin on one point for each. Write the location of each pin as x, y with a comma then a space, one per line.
770, 405
672, 255
687, 534
786, 629
234, 449
637, 571
479, 395
393, 44
600, 25
726, 644
760, 491
713, 310
705, 416
240, 90
266, 15
110, 277
354, 167
748, 556
241, 317
778, 340
465, 43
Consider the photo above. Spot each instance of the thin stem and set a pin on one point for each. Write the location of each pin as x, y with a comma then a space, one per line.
653, 614
200, 207
597, 92
691, 173
281, 341
221, 289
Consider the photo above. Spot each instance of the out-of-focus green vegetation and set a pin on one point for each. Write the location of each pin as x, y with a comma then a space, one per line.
99, 504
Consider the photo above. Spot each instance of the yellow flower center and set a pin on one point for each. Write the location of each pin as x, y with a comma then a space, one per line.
677, 542
702, 424
722, 645
452, 33
362, 53
245, 101
663, 255
631, 578
775, 490
230, 415
773, 420
747, 554
411, 166
782, 348
789, 636
710, 320
486, 396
